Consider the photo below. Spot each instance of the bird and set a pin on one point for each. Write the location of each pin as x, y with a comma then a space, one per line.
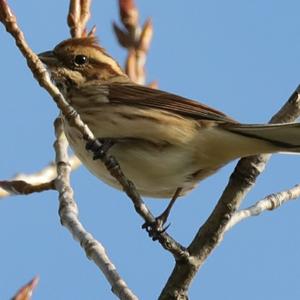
164, 143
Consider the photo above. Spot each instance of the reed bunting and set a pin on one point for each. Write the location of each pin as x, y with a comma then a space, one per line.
164, 143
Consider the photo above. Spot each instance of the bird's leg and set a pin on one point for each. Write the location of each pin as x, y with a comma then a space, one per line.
157, 227
162, 219
99, 147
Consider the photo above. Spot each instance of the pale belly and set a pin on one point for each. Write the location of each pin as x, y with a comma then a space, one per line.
156, 171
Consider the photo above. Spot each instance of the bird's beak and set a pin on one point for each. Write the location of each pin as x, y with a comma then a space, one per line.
48, 58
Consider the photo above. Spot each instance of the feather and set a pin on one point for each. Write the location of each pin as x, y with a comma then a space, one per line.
137, 95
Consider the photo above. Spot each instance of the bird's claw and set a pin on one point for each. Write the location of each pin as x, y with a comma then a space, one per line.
156, 228
99, 147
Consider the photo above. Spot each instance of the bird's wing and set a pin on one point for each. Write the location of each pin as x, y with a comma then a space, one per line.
137, 95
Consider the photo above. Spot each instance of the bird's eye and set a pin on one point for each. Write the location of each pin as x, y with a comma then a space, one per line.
80, 60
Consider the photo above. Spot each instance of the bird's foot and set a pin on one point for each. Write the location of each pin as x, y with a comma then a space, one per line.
99, 147
156, 228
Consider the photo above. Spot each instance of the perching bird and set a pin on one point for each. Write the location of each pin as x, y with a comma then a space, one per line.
164, 143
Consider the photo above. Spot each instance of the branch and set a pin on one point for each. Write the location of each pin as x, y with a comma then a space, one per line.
24, 184
135, 39
68, 213
20, 187
270, 202
79, 14
212, 231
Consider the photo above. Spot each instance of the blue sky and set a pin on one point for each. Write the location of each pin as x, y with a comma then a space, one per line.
241, 57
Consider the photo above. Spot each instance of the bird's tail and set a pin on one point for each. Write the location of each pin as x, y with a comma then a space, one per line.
275, 137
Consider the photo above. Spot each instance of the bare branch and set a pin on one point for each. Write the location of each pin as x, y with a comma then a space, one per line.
26, 291
270, 202
135, 39
36, 182
212, 231
79, 14
68, 212
20, 187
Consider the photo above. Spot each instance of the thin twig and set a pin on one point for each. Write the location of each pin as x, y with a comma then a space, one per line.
31, 183
79, 14
268, 203
135, 39
20, 187
68, 213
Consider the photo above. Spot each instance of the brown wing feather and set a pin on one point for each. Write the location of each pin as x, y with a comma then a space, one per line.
137, 95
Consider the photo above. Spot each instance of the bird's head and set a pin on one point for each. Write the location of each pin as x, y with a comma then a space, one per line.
79, 60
